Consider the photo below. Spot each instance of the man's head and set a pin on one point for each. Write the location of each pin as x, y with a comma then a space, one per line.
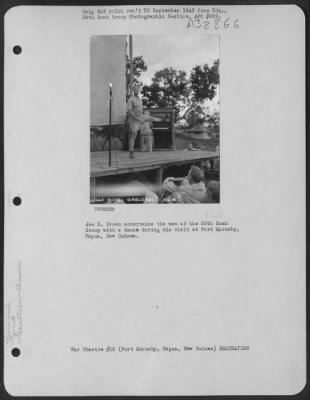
136, 88
213, 192
196, 174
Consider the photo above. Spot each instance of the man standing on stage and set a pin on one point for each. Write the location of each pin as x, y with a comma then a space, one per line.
134, 112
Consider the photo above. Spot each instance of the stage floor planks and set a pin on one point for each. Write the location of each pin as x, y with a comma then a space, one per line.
122, 164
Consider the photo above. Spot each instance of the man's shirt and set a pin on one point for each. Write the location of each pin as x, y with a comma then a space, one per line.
134, 105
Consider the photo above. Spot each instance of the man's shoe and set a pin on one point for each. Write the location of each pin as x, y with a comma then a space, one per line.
131, 154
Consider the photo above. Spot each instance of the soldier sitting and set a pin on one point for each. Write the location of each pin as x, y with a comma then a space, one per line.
146, 133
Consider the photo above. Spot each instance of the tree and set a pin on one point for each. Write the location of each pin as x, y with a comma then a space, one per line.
214, 122
169, 89
204, 81
172, 89
194, 115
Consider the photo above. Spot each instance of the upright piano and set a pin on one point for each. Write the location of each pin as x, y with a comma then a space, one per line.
164, 134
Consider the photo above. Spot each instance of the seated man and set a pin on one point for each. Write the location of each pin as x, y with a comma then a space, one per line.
146, 133
213, 192
190, 189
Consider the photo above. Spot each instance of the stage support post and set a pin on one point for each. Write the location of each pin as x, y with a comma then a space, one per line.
110, 126
130, 65
159, 180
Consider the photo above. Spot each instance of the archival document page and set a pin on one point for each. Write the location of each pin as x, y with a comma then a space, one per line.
154, 200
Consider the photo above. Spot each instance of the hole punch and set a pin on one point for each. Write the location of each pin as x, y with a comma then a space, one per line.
15, 352
17, 49
17, 201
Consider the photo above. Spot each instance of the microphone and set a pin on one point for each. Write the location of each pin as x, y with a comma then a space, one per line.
110, 85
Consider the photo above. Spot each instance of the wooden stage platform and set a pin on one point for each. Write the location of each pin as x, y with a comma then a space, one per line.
145, 161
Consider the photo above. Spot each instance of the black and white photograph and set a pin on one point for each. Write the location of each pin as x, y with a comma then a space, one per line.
155, 119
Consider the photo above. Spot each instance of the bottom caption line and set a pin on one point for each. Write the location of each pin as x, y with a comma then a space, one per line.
156, 349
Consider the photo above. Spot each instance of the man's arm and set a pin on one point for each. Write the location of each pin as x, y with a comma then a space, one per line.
149, 118
155, 119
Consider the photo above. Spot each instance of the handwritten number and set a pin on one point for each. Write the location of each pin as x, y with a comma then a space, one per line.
193, 23
199, 24
196, 23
